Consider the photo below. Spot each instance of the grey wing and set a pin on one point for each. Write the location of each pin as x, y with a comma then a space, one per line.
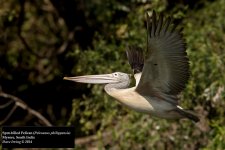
135, 57
166, 69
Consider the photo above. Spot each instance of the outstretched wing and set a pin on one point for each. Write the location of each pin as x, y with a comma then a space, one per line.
166, 68
135, 57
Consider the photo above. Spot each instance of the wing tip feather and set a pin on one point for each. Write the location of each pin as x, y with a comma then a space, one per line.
135, 57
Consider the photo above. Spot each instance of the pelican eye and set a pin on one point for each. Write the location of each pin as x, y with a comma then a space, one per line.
116, 74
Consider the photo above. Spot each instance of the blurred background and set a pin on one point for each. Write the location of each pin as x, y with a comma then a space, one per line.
43, 41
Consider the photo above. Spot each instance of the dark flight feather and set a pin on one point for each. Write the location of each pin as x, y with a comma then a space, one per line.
166, 66
135, 57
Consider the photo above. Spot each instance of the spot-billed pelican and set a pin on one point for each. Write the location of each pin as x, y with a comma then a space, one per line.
160, 76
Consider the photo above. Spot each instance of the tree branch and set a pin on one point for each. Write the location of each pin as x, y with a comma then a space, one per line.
20, 103
9, 115
6, 104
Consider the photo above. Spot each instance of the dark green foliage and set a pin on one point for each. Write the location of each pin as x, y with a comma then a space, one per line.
39, 45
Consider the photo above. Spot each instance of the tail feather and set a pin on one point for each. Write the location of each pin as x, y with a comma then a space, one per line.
188, 114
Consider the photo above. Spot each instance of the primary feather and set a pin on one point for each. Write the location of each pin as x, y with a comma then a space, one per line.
166, 67
135, 58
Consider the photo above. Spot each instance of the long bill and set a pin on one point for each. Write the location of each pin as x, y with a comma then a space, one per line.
94, 79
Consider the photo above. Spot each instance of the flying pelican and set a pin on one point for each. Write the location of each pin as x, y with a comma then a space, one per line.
160, 76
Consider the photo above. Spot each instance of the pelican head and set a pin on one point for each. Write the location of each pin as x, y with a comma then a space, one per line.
113, 78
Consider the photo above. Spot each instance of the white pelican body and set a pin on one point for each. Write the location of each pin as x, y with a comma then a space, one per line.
132, 99
145, 104
160, 77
